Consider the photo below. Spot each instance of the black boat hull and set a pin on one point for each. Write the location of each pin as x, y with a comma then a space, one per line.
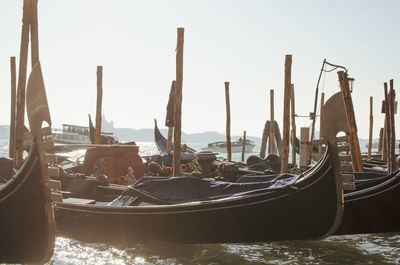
26, 223
311, 209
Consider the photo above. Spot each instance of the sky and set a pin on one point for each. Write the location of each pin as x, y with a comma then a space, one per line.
243, 42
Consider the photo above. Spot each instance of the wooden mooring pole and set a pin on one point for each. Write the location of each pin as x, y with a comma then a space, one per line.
27, 18
244, 145
293, 121
271, 146
97, 132
304, 142
178, 103
228, 123
286, 115
351, 121
371, 124
11, 149
34, 34
392, 97
321, 136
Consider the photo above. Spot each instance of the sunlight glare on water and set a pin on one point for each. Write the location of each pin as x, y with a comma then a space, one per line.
354, 249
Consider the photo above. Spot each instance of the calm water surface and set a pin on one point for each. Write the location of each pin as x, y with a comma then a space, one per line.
356, 249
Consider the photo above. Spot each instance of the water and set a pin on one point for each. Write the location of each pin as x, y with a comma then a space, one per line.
355, 249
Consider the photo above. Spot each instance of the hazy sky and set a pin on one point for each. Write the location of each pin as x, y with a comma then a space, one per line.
243, 42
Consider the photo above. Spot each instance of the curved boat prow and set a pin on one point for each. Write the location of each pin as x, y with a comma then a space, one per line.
27, 225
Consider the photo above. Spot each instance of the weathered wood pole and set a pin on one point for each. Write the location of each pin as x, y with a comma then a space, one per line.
392, 135
264, 139
384, 155
293, 122
304, 142
380, 143
351, 121
392, 124
271, 146
286, 114
320, 125
97, 132
244, 145
170, 116
178, 103
11, 149
34, 34
23, 61
371, 124
228, 123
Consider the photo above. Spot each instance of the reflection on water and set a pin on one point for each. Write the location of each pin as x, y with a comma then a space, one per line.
356, 249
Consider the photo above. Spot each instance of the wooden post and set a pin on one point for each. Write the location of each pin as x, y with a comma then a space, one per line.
169, 122
34, 34
97, 133
228, 123
392, 124
11, 149
293, 121
391, 138
380, 143
23, 61
304, 134
271, 146
178, 103
286, 114
351, 121
371, 122
244, 145
386, 124
264, 139
321, 136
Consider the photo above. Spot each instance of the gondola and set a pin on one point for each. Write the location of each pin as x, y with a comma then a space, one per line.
27, 224
374, 208
200, 213
161, 141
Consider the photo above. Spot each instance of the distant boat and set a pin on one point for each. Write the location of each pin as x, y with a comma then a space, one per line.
236, 146
72, 134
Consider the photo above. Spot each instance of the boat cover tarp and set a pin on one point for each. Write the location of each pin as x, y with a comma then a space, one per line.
117, 160
163, 190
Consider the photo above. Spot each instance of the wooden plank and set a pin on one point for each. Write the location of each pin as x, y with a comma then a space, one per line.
56, 197
346, 158
97, 132
55, 184
347, 178
343, 148
53, 171
348, 186
228, 123
178, 103
286, 114
351, 121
